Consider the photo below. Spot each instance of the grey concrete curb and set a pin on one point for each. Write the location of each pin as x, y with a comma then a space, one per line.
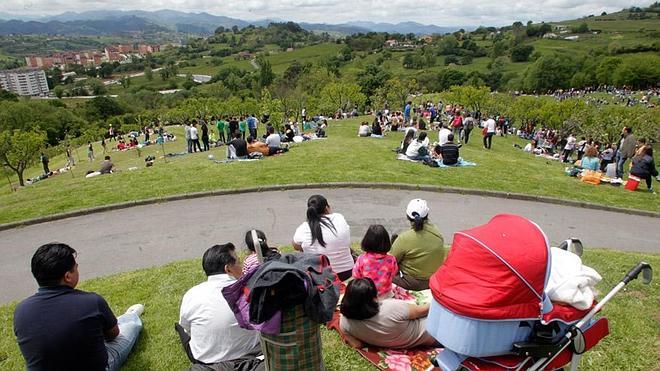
289, 187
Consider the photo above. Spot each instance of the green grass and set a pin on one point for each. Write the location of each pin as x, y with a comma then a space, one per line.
343, 157
633, 315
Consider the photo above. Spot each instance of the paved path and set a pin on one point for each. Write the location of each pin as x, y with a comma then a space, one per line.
152, 235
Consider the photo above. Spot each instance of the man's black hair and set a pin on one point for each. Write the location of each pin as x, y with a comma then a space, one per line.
217, 257
51, 261
450, 137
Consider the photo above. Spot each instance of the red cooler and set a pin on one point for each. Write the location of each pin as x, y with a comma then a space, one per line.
632, 183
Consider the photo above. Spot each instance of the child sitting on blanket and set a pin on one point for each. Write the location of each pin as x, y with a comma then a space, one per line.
376, 263
255, 238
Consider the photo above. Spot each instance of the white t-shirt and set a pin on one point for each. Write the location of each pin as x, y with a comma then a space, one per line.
213, 329
443, 136
363, 130
570, 143
193, 133
490, 124
415, 145
528, 147
273, 140
337, 243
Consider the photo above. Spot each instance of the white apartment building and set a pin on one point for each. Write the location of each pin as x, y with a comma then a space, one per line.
24, 81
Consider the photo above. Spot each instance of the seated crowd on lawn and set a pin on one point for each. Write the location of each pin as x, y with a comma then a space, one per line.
61, 327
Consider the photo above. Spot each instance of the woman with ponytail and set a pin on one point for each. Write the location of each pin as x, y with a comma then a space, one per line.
326, 233
256, 239
419, 251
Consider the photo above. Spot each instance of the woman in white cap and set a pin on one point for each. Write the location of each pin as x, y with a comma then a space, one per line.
419, 251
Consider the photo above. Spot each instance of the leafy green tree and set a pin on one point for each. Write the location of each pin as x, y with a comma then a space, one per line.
549, 72
266, 74
471, 97
148, 74
20, 149
449, 77
341, 95
521, 53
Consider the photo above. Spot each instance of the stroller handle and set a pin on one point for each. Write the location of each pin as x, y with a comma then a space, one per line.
641, 267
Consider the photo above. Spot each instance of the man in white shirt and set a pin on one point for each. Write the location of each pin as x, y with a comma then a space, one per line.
490, 131
569, 147
273, 141
417, 148
443, 135
215, 337
194, 138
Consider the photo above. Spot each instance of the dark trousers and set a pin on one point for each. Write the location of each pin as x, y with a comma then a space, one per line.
488, 140
195, 145
466, 135
221, 136
410, 283
190, 145
253, 133
205, 141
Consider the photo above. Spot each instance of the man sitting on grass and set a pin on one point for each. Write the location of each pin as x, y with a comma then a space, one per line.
215, 337
448, 152
61, 328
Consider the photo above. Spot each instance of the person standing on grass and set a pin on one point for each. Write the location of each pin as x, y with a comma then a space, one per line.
186, 128
90, 151
69, 157
233, 128
252, 125
61, 328
468, 125
104, 145
194, 138
242, 127
489, 132
44, 163
406, 113
571, 141
205, 135
221, 125
626, 150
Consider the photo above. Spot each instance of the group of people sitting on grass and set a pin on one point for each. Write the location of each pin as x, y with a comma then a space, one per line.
415, 146
60, 327
608, 158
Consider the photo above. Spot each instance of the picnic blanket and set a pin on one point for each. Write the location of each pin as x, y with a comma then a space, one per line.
461, 162
417, 359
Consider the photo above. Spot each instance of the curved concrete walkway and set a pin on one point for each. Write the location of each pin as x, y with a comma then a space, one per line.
152, 235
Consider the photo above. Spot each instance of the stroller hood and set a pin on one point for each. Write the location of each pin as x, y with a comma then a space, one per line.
495, 271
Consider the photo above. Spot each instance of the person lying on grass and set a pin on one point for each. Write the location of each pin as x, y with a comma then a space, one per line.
61, 328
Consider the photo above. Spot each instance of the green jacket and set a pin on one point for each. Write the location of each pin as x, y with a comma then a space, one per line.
419, 253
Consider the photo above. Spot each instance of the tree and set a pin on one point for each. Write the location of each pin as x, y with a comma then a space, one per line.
20, 149
521, 53
471, 97
448, 77
549, 72
271, 107
148, 74
266, 74
59, 91
341, 95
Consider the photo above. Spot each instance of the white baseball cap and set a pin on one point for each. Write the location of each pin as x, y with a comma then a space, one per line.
417, 206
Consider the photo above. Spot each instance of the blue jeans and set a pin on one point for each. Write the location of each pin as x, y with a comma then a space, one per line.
620, 161
119, 348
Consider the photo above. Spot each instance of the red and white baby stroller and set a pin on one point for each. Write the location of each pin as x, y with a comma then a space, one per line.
490, 308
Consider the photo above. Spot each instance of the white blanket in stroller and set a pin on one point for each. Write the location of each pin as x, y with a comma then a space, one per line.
571, 282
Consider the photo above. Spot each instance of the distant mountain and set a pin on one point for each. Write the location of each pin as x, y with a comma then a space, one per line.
205, 23
80, 27
405, 28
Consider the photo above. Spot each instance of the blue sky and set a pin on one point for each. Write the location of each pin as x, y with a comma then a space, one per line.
439, 12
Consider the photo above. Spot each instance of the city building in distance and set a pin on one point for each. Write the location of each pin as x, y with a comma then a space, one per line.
25, 81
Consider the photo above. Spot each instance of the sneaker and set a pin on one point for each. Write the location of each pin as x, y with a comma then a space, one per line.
137, 309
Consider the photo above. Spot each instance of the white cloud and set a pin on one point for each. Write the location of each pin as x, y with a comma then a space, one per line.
443, 13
